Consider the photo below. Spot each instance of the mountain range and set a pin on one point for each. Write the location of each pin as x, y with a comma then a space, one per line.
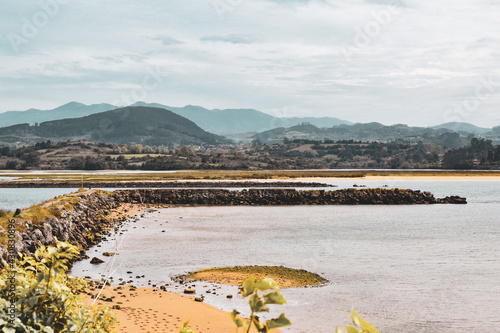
157, 124
368, 132
130, 125
221, 122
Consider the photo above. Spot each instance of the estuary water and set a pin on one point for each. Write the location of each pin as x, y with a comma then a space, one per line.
422, 268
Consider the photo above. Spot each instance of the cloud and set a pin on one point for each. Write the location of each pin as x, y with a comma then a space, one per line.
167, 40
362, 60
233, 39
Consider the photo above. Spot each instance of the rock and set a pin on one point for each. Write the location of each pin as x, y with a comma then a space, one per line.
189, 291
96, 261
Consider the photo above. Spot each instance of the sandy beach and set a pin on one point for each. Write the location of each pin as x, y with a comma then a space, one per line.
397, 177
152, 310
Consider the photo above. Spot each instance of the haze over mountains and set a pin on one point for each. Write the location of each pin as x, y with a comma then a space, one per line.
157, 124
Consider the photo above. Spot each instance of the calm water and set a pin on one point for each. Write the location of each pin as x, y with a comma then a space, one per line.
404, 268
12, 198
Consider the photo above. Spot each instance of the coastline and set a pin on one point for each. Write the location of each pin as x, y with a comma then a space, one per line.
141, 306
403, 177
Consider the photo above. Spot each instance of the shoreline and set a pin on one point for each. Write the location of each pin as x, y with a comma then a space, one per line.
403, 177
197, 177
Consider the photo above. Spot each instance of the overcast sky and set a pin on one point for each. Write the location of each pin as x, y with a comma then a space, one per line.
416, 62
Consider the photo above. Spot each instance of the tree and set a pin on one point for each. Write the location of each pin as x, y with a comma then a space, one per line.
461, 158
135, 149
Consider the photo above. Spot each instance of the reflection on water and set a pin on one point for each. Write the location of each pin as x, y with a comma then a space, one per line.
404, 268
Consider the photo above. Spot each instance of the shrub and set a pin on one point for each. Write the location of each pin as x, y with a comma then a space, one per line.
43, 298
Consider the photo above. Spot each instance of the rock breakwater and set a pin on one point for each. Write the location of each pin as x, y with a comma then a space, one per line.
157, 184
222, 197
89, 218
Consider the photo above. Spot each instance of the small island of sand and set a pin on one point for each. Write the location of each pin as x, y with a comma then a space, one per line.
285, 277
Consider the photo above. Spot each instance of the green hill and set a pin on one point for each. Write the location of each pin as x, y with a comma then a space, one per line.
130, 125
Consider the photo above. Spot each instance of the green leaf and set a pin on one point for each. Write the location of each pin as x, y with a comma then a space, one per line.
266, 284
261, 328
248, 286
185, 329
338, 330
32, 301
51, 319
8, 330
274, 298
256, 304
238, 322
356, 319
281, 321
352, 329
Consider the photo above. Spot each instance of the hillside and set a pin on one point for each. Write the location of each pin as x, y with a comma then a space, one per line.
463, 127
130, 125
367, 132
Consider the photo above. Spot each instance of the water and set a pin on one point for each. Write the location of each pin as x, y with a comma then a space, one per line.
404, 268
12, 198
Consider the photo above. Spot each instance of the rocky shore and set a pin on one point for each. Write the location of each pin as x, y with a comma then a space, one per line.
157, 184
84, 225
93, 215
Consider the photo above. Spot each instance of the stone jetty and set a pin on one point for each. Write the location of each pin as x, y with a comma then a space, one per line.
89, 218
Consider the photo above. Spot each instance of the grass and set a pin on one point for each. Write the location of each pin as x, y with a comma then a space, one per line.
37, 213
284, 276
131, 156
238, 175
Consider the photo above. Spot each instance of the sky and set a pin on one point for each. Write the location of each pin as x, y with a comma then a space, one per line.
417, 62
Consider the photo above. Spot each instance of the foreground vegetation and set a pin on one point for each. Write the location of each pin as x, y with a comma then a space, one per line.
36, 295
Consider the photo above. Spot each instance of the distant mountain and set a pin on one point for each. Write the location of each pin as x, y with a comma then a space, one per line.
234, 121
130, 125
70, 110
222, 122
365, 132
463, 127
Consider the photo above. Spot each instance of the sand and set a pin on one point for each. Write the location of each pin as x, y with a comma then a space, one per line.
396, 177
153, 310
